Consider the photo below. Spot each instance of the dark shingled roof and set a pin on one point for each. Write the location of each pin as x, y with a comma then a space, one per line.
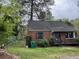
50, 26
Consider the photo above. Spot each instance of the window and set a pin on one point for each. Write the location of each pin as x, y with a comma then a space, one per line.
69, 35
66, 35
40, 35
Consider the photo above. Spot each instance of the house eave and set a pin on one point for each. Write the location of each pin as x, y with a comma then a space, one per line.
39, 30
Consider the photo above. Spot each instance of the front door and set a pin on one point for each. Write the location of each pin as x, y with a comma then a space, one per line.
56, 37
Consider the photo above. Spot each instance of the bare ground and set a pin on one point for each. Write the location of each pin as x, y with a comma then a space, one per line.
6, 55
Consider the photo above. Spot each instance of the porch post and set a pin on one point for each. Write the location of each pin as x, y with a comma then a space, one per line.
74, 35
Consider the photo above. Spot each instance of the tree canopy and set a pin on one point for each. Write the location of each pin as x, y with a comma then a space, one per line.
41, 9
9, 17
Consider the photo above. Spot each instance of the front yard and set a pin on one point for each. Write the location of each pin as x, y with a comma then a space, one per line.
44, 53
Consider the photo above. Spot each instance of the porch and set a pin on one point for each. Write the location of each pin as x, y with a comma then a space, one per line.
65, 38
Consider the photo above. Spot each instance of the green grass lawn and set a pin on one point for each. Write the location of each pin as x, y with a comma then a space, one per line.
42, 53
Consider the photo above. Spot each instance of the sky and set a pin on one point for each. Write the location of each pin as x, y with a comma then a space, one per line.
4, 2
65, 9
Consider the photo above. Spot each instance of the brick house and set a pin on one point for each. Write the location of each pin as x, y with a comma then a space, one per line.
62, 32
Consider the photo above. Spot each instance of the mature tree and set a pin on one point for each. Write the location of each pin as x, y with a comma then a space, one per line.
75, 22
67, 21
40, 9
9, 18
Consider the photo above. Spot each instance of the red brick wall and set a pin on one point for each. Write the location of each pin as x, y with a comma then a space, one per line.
34, 35
47, 35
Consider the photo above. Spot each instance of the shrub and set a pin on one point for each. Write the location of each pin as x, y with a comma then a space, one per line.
28, 41
42, 43
76, 40
51, 41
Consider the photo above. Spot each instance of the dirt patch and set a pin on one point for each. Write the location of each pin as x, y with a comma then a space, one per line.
6, 55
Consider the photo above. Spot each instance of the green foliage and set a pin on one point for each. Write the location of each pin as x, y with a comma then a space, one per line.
75, 23
42, 43
68, 22
9, 17
28, 41
76, 40
49, 16
18, 43
51, 42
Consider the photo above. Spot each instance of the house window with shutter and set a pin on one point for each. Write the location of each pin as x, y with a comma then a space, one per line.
40, 35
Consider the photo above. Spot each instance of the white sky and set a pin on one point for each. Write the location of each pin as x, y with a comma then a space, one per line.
65, 9
4, 2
